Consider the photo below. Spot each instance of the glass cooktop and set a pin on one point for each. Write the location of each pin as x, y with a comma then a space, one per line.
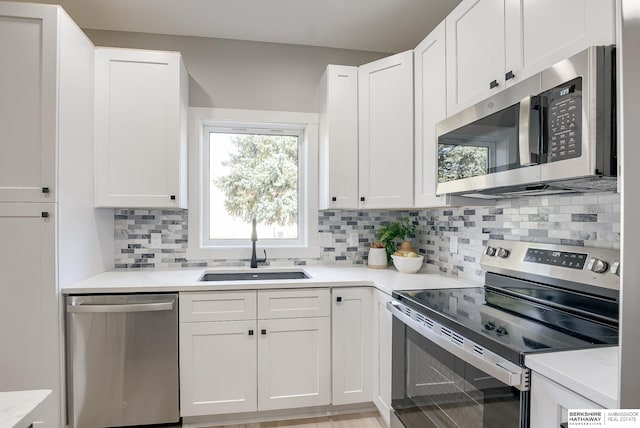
508, 325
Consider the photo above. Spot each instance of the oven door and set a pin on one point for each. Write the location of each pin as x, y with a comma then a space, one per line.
435, 388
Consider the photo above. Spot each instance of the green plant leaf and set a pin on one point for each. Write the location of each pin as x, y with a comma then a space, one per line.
390, 233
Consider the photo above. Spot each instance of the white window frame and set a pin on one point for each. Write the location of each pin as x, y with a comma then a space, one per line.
307, 246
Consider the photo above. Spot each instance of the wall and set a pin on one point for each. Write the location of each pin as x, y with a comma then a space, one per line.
242, 74
629, 133
590, 220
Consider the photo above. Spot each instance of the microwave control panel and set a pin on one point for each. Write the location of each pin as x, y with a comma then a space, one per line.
564, 121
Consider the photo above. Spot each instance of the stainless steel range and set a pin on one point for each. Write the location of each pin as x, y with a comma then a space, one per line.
458, 354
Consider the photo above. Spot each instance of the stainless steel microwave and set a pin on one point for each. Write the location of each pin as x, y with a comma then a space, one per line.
554, 132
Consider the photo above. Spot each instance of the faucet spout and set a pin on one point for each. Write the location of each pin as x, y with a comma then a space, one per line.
254, 239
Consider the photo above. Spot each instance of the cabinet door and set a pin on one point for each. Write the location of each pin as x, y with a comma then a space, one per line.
351, 328
218, 367
475, 52
140, 129
568, 27
294, 367
29, 308
338, 137
551, 401
430, 108
385, 94
382, 322
28, 84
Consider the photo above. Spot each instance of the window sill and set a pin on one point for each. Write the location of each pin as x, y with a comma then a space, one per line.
244, 253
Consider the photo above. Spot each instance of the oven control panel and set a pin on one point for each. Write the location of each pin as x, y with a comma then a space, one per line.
598, 267
567, 259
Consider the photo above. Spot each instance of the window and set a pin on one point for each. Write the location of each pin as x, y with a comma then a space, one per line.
245, 164
252, 172
462, 160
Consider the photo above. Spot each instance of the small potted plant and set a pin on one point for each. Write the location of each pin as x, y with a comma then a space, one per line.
391, 233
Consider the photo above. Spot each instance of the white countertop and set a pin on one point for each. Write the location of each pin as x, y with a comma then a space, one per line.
592, 373
19, 409
167, 280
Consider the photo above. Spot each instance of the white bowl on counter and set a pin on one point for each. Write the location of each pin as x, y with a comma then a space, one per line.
408, 264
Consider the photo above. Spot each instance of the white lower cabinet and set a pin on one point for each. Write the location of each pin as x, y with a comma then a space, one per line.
262, 362
218, 362
29, 313
293, 363
382, 326
551, 401
351, 353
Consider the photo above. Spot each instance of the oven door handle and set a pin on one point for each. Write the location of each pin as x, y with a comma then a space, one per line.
505, 371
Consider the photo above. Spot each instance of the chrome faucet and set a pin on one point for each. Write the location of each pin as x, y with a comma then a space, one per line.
254, 238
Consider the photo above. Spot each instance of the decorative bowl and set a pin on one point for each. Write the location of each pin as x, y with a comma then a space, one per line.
408, 264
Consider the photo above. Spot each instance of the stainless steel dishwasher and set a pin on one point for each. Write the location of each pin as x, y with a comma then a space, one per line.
122, 360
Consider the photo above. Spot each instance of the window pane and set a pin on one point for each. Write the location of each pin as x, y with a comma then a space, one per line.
461, 161
253, 175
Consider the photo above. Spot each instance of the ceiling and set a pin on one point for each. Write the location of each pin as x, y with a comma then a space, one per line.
387, 26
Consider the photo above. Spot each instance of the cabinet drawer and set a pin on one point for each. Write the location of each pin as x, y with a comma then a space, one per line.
293, 303
217, 306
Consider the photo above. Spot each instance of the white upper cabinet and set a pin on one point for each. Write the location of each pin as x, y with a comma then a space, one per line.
492, 44
28, 84
141, 129
430, 108
338, 94
542, 32
475, 52
385, 110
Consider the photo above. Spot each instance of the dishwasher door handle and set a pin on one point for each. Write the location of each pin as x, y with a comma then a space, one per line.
132, 307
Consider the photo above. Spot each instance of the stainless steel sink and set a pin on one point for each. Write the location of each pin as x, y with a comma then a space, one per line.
253, 276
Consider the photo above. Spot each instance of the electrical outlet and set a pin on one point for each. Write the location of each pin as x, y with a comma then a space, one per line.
353, 239
453, 245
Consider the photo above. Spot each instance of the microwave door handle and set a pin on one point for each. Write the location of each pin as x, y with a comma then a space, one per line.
524, 132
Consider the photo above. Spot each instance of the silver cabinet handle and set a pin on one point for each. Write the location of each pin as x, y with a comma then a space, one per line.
133, 307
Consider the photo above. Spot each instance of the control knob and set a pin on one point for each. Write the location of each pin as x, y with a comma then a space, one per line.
489, 326
490, 251
502, 331
503, 253
597, 265
615, 268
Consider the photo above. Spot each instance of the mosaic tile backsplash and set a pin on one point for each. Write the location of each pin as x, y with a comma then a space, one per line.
591, 220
